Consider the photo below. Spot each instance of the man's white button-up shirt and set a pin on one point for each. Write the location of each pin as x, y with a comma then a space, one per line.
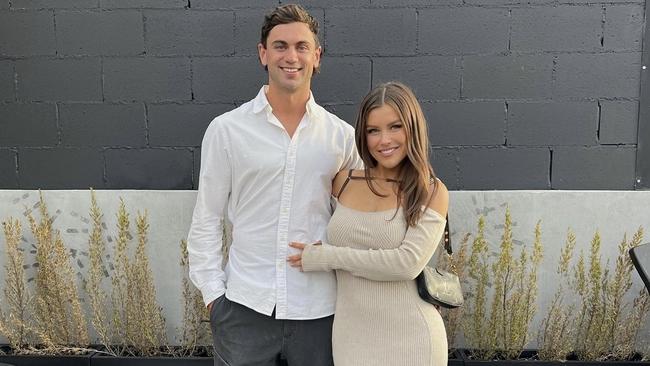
276, 189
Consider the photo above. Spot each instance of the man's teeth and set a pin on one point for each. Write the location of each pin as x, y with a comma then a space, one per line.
290, 70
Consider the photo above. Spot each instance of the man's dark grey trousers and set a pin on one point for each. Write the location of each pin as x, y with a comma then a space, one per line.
244, 337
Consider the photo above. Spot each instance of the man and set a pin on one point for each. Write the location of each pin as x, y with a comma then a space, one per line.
270, 163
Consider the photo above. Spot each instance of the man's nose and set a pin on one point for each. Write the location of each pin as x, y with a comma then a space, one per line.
291, 55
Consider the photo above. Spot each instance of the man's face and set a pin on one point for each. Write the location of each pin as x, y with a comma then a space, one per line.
291, 55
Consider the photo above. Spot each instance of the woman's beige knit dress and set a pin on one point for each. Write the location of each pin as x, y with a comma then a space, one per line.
380, 318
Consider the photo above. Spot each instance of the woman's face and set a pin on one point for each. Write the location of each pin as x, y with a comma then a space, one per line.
386, 139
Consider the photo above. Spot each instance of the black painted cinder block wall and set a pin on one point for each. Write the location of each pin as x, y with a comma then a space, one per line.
534, 94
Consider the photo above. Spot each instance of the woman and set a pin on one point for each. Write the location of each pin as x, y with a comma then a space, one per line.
387, 223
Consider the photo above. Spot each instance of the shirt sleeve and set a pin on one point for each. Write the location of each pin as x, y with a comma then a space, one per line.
398, 264
352, 160
205, 238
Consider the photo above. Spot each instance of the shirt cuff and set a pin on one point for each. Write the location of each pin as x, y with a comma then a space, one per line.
209, 295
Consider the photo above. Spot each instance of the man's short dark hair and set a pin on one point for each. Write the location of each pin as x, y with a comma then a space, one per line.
286, 14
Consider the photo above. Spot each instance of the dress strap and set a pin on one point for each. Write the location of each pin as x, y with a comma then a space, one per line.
350, 176
347, 180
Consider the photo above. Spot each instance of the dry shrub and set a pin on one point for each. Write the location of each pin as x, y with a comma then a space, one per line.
456, 263
604, 327
99, 301
620, 331
521, 304
226, 236
602, 330
475, 323
137, 317
14, 322
151, 324
590, 338
196, 330
556, 328
591, 283
128, 321
504, 332
120, 278
515, 293
628, 342
59, 319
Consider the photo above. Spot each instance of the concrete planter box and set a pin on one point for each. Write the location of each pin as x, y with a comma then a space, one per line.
612, 213
528, 360
37, 360
102, 360
455, 358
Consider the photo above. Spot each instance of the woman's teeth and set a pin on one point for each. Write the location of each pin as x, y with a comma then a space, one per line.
388, 151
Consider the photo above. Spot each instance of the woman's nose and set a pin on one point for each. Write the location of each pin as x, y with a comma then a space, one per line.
385, 137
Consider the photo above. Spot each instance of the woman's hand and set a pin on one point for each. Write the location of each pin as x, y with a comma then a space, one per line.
295, 260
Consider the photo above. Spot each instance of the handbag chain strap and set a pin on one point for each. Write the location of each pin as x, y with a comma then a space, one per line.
447, 238
448, 250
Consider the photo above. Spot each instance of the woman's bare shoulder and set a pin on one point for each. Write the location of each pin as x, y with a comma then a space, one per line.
439, 198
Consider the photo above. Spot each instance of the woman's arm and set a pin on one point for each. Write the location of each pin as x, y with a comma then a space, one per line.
402, 263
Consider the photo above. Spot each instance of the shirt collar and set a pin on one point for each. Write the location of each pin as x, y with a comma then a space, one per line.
260, 103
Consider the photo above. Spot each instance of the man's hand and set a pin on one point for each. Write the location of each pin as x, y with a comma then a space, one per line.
210, 306
295, 260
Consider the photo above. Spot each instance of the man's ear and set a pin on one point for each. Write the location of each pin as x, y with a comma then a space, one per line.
261, 50
319, 51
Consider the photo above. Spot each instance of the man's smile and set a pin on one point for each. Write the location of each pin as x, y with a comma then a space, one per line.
291, 70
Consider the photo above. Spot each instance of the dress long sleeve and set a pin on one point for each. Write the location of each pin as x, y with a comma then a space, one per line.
404, 262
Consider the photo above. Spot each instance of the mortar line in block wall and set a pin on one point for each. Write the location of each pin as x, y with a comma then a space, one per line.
600, 109
146, 124
550, 168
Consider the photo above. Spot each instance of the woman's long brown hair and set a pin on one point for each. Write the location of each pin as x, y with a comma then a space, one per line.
415, 173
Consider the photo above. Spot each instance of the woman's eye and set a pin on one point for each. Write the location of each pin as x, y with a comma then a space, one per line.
396, 127
372, 131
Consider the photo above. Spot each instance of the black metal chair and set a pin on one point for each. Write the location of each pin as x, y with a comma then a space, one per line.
641, 258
